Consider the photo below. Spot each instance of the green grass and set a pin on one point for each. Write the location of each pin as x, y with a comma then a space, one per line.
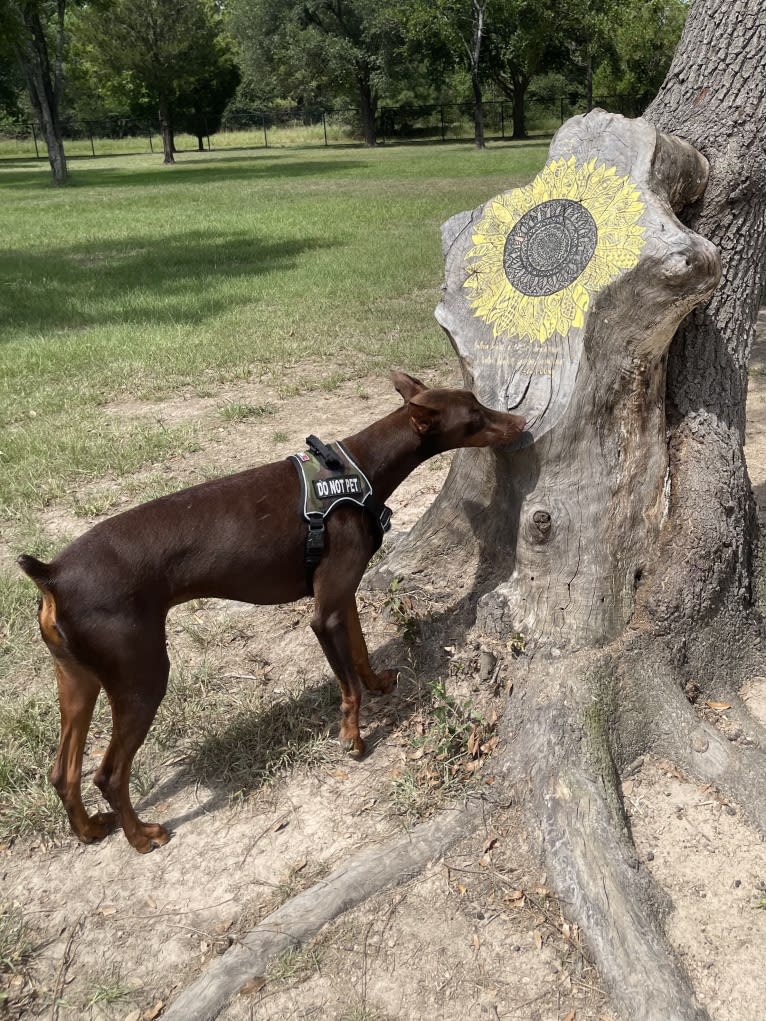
139, 279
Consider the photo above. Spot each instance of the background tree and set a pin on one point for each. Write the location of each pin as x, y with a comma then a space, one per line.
525, 38
319, 50
202, 102
589, 27
165, 46
34, 29
453, 33
644, 38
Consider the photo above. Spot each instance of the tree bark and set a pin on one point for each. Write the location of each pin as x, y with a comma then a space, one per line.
45, 82
166, 130
367, 109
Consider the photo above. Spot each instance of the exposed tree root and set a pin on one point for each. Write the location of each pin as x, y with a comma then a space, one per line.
571, 727
580, 722
303, 916
562, 743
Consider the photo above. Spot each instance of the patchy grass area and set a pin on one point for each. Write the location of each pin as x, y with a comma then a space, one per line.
149, 312
139, 280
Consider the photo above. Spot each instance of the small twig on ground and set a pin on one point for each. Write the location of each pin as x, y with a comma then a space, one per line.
66, 960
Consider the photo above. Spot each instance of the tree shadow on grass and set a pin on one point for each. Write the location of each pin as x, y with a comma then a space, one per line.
258, 166
135, 279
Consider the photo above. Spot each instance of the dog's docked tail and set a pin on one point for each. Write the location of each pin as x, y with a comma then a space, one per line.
36, 570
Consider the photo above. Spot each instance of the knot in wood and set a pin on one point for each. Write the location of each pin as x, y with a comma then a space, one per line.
540, 526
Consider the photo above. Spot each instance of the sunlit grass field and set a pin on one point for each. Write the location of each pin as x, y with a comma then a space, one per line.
138, 279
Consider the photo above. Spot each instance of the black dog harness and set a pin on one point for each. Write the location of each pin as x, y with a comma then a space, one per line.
329, 477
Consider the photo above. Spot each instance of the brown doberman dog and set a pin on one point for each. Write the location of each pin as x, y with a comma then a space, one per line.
105, 597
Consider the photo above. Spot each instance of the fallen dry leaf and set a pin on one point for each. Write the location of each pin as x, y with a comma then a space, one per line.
718, 706
254, 985
571, 1015
473, 742
538, 938
153, 1012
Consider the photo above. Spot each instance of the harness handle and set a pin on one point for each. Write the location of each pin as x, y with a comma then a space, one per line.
327, 456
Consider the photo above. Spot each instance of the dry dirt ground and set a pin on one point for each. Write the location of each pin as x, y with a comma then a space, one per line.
118, 935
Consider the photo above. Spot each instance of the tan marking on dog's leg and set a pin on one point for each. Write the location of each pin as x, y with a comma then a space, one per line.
379, 684
78, 690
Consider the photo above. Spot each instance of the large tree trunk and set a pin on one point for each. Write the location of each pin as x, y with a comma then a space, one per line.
475, 65
619, 542
45, 82
713, 97
367, 108
166, 130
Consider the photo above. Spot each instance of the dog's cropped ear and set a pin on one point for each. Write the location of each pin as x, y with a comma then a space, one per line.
422, 418
407, 386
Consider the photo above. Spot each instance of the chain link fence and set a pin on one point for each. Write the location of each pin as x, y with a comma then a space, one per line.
280, 126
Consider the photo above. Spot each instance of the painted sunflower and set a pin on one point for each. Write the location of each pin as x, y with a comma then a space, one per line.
540, 253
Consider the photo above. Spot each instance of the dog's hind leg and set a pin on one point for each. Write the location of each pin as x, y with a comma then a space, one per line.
135, 693
78, 690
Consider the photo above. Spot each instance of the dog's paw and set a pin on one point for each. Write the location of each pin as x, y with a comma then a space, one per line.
148, 836
353, 746
384, 683
99, 826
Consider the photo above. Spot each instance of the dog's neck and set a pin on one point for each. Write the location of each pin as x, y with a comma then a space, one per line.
388, 451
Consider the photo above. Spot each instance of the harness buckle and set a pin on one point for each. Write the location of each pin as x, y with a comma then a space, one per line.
315, 538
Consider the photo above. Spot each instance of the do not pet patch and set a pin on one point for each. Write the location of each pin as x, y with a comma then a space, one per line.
332, 488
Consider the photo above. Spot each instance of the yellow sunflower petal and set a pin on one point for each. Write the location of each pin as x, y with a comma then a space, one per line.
615, 205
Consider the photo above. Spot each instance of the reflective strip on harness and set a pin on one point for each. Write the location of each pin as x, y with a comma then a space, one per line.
323, 489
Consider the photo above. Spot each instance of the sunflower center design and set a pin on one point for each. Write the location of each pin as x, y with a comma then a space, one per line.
549, 247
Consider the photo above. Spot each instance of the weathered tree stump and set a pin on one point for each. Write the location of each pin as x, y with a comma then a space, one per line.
561, 300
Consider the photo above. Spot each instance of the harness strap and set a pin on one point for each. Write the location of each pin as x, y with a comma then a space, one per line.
314, 548
315, 536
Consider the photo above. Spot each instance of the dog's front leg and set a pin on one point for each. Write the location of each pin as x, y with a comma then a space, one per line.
329, 625
379, 684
